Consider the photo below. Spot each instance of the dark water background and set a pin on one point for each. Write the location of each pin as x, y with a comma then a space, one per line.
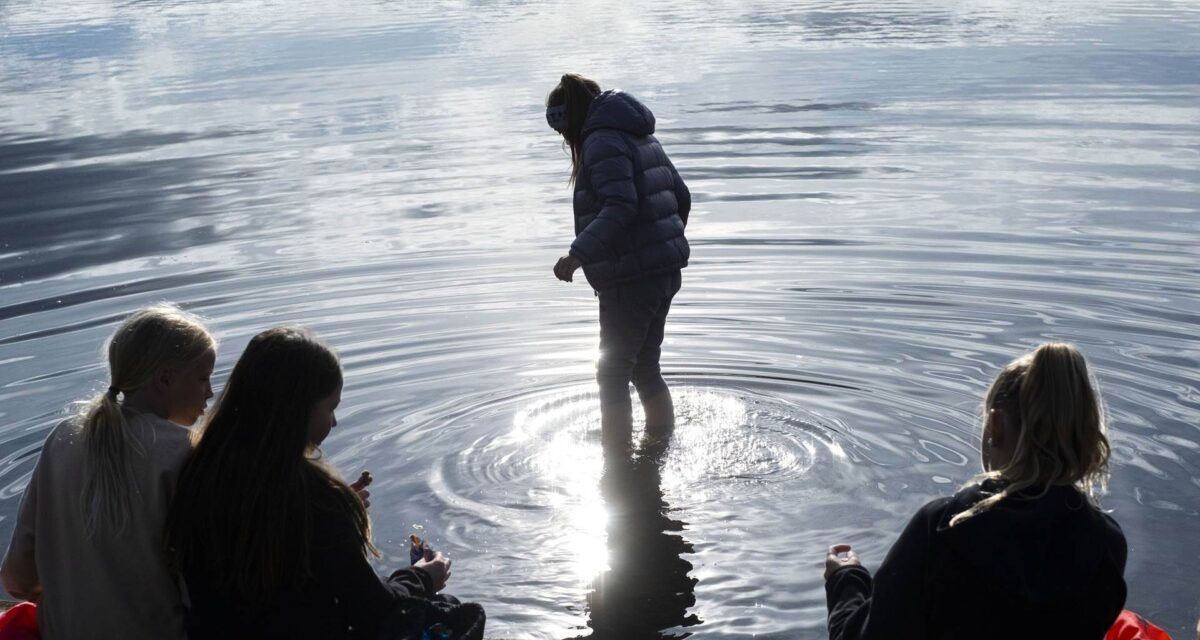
893, 199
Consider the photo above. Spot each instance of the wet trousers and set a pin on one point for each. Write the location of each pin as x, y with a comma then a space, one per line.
632, 318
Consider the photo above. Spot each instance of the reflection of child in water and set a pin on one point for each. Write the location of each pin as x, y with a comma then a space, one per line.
647, 587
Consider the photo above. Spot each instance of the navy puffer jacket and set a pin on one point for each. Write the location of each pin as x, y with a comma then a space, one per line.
630, 204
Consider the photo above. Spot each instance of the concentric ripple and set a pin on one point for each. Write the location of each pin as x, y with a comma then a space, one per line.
537, 468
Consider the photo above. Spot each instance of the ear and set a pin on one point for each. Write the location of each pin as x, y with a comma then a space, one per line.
163, 379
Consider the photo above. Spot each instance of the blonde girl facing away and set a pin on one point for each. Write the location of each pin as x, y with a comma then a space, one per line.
1022, 551
87, 546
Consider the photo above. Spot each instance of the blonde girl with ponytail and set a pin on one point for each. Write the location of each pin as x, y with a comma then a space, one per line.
87, 546
1043, 427
1021, 551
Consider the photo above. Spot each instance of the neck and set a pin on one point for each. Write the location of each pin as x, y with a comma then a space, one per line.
146, 401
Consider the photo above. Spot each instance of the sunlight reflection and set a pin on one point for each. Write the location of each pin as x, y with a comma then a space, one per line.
720, 437
569, 458
705, 426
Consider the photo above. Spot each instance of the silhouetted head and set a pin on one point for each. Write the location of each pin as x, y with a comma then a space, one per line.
166, 353
566, 111
1044, 426
249, 494
278, 384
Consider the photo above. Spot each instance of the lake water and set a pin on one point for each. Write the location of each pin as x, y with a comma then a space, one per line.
893, 199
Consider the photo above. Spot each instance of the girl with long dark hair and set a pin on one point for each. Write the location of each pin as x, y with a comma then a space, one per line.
630, 208
271, 541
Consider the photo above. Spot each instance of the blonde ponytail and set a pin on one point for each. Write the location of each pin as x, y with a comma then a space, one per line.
149, 339
109, 479
1052, 403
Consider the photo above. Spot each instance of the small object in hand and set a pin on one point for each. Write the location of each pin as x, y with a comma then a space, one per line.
437, 631
416, 552
360, 487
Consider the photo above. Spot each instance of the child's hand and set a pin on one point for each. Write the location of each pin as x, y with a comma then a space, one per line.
565, 268
437, 566
360, 487
834, 561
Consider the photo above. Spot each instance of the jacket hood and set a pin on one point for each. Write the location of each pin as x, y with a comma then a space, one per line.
1041, 548
615, 109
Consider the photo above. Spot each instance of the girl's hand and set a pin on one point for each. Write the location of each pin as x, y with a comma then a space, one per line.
360, 487
565, 268
437, 566
834, 561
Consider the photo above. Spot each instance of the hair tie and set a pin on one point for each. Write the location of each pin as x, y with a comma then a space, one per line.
112, 392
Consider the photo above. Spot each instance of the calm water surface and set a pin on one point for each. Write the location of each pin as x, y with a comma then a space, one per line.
893, 199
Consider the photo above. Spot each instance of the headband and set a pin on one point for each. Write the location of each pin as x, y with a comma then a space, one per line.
556, 117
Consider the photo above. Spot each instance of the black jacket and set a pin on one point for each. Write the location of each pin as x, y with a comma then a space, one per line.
345, 598
630, 204
1047, 567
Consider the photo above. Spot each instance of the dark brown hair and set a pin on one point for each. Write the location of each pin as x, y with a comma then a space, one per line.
577, 93
248, 496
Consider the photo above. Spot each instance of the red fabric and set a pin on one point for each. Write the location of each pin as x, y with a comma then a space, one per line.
20, 623
1129, 626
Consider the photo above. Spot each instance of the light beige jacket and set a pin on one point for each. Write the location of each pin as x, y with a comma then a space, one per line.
113, 586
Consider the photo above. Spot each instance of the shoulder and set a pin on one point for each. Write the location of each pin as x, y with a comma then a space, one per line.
332, 517
604, 143
165, 430
164, 437
1111, 528
969, 495
1112, 535
67, 433
67, 429
934, 515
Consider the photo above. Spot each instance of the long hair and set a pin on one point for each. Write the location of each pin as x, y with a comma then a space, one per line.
1048, 398
248, 496
144, 343
577, 93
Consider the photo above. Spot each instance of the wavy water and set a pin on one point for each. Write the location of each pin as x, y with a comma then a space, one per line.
892, 200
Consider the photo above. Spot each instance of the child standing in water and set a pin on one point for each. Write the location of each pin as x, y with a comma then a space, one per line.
1022, 552
630, 208
87, 546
